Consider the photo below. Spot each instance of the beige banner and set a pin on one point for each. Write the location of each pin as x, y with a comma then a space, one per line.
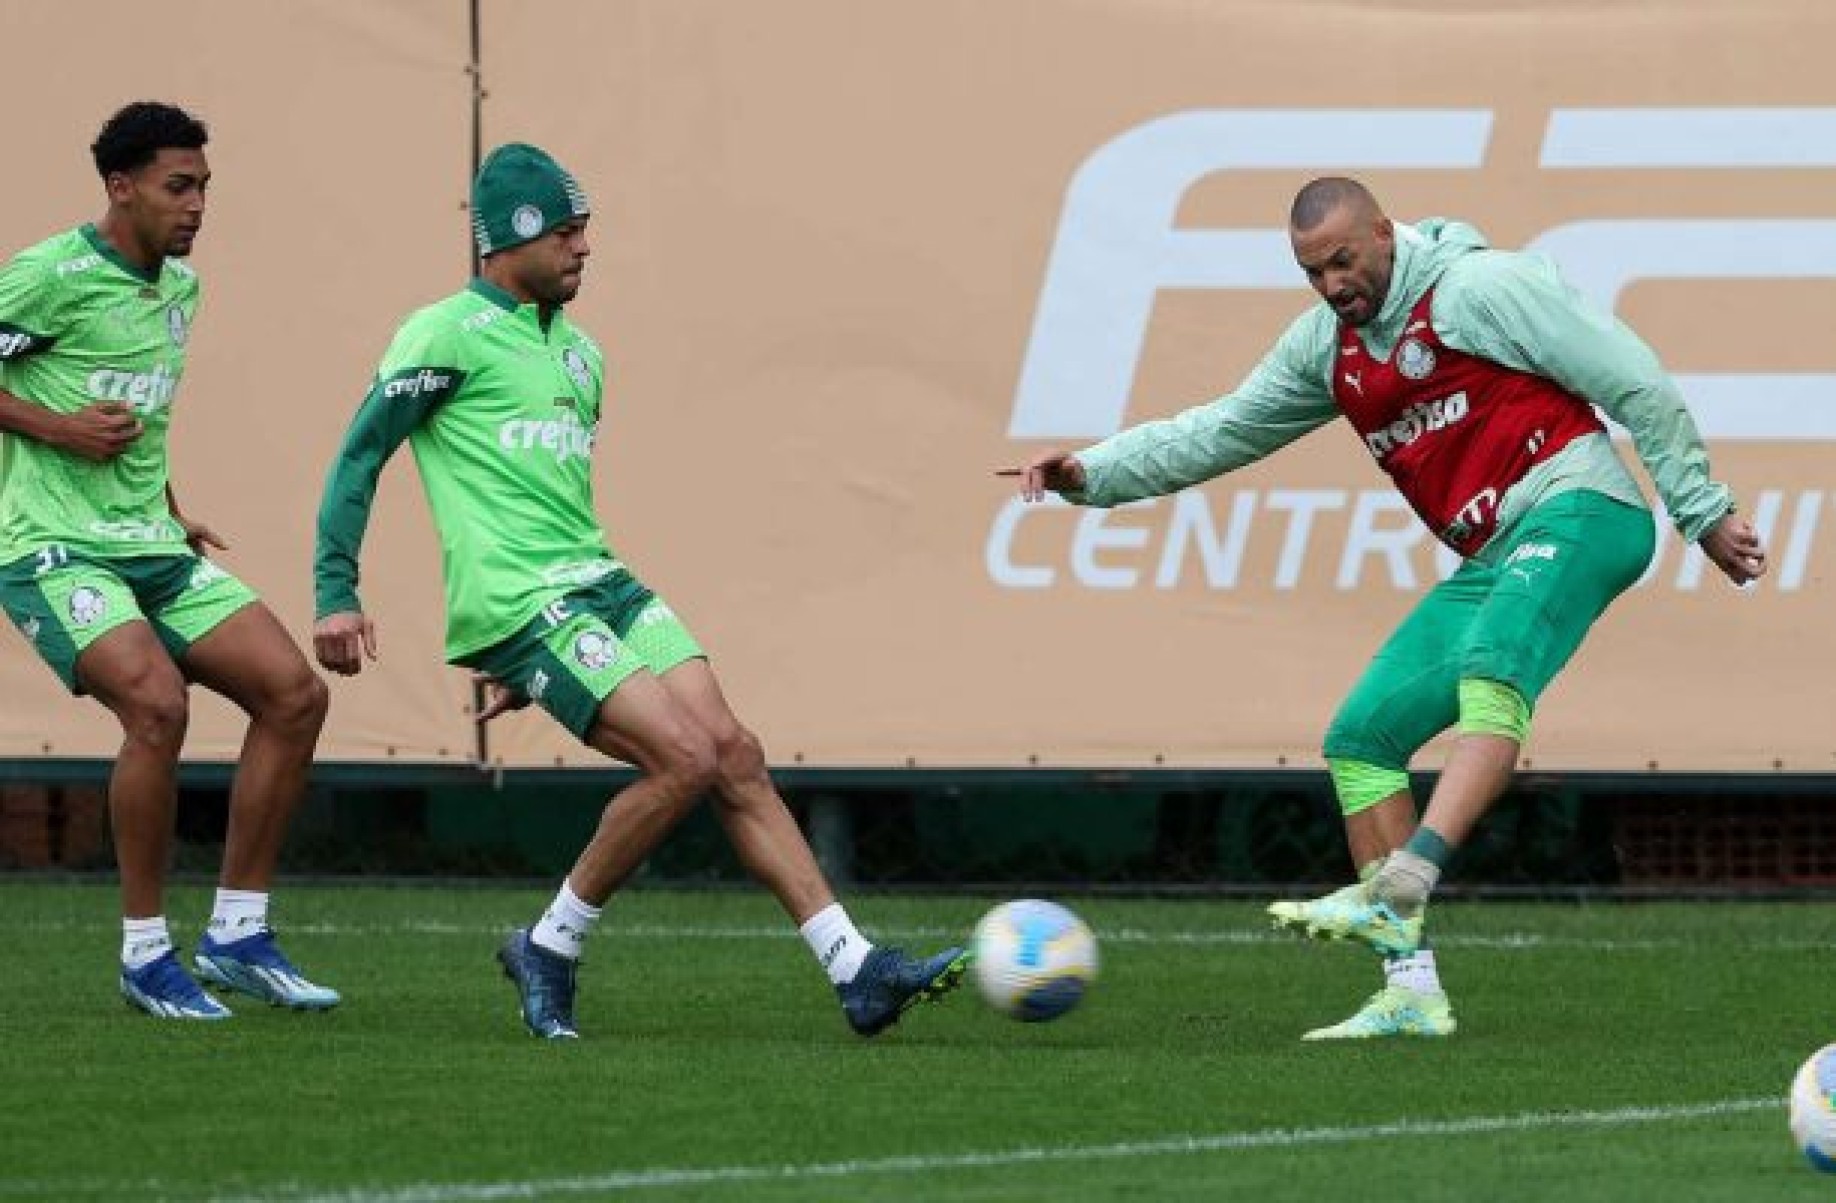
340, 143
850, 257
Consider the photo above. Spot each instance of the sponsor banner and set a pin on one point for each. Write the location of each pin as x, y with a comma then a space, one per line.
848, 259
869, 256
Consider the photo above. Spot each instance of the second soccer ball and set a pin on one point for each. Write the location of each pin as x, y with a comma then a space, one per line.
1813, 1109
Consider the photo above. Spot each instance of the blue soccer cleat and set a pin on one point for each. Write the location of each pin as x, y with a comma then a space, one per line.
255, 965
545, 984
165, 991
889, 983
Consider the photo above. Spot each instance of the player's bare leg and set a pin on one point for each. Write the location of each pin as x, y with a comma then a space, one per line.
250, 659
681, 731
1375, 832
752, 812
876, 985
1478, 772
128, 671
640, 724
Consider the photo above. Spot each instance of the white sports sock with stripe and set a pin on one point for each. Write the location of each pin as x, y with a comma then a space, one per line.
566, 924
144, 941
237, 915
839, 946
1414, 972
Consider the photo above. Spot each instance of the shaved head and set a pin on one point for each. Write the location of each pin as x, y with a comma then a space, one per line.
1346, 246
1325, 196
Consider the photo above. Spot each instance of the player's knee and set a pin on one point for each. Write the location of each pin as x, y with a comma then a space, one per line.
155, 711
688, 762
741, 755
314, 700
300, 704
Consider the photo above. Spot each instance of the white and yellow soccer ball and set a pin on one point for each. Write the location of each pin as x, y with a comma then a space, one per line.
1034, 960
1813, 1109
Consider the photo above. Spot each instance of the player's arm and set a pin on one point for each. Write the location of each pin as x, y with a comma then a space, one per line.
197, 535
342, 634
1286, 396
1517, 310
96, 432
31, 321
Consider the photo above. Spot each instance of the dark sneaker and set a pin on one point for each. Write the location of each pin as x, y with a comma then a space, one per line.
889, 983
545, 984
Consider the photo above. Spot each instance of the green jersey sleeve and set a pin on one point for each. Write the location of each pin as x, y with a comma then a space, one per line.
419, 372
1284, 397
30, 313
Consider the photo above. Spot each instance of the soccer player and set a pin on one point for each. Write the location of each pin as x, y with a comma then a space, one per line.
108, 580
499, 394
1468, 373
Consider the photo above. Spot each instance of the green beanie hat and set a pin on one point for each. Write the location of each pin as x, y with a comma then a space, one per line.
521, 194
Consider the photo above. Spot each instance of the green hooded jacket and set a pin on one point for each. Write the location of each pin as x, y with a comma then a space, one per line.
1508, 307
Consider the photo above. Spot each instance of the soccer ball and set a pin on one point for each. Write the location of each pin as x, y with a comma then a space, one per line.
1813, 1109
1033, 960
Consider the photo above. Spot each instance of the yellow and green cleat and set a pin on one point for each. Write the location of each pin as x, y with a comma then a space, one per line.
1353, 913
1394, 1011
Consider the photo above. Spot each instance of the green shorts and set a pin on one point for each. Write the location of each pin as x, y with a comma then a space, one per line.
1515, 615
583, 645
63, 601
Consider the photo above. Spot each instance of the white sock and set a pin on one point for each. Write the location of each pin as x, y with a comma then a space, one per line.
238, 914
564, 926
1414, 972
144, 941
838, 946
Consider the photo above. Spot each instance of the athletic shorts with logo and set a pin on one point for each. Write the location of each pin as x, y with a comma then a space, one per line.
584, 644
1515, 615
63, 601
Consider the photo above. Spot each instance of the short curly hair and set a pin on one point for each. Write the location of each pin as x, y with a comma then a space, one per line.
133, 137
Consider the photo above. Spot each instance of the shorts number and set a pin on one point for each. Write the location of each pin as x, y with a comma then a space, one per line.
52, 558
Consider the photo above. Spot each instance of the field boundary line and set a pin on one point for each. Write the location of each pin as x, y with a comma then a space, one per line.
1171, 1146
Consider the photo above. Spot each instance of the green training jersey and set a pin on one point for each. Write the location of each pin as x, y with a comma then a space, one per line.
502, 411
79, 324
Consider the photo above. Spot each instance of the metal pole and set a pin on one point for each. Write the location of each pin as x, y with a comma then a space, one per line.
475, 69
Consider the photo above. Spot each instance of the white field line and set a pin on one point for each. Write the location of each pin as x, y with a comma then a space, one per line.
1170, 1146
1507, 941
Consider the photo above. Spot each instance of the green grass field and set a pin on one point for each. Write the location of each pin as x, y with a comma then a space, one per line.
1607, 1052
